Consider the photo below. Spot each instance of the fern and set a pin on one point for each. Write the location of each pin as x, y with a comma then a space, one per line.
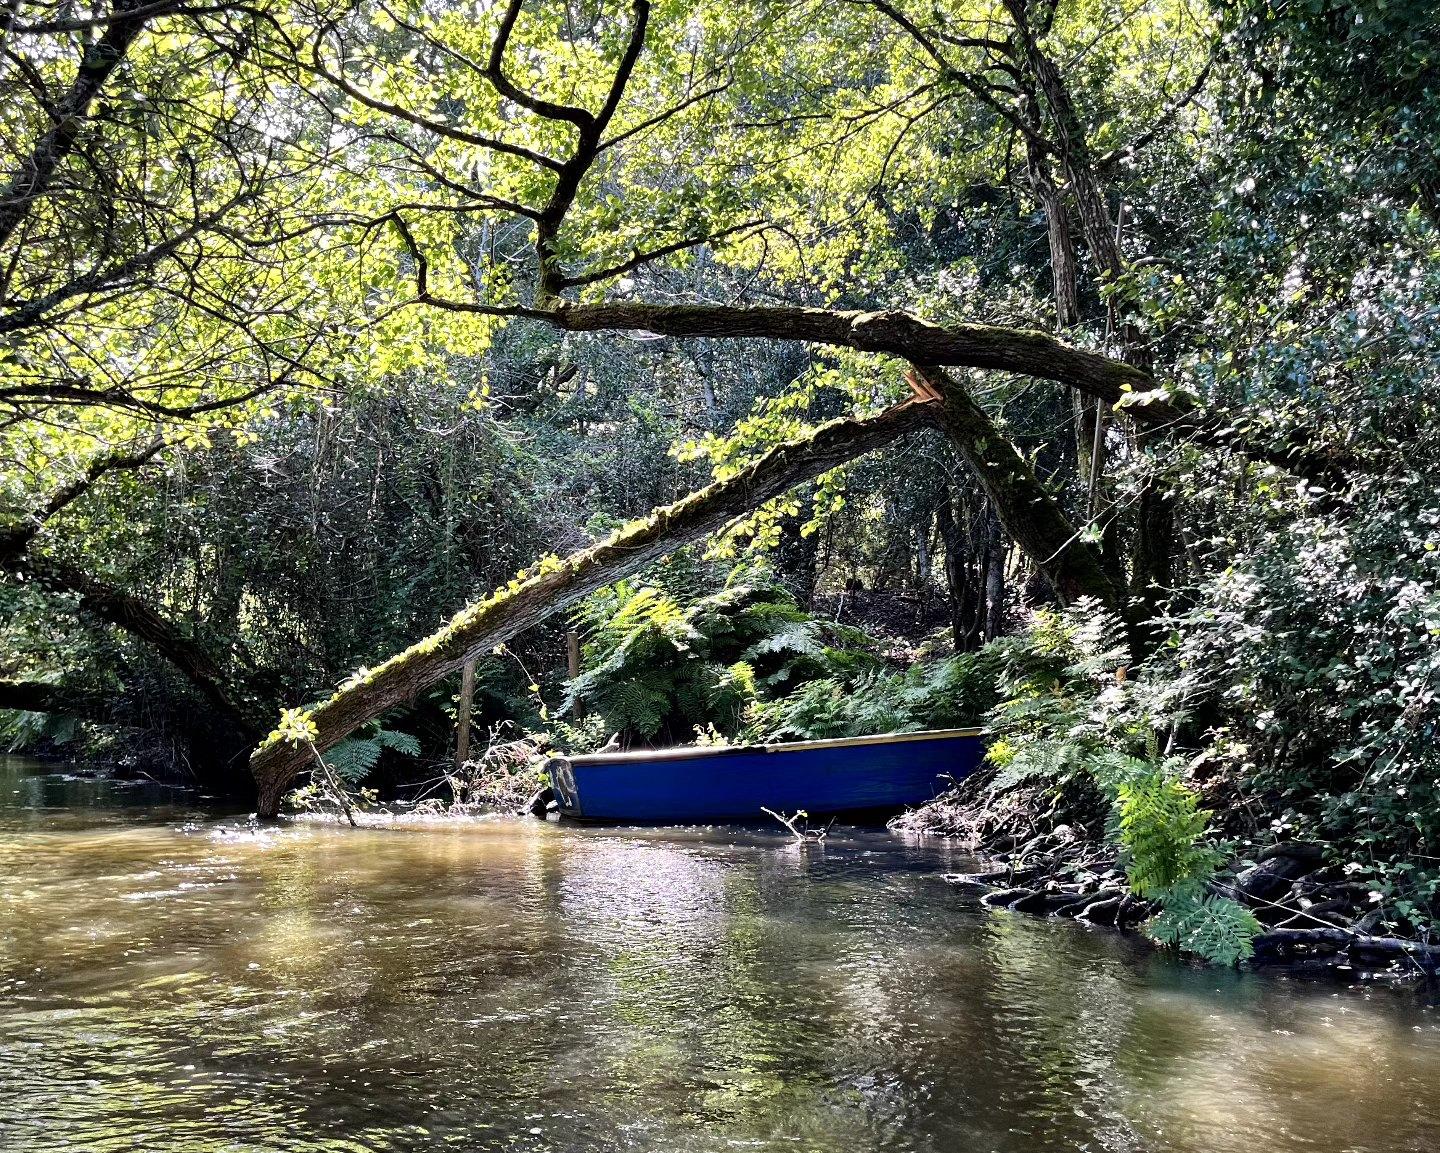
791, 638
1162, 831
1050, 761
637, 706
1218, 929
816, 710
731, 691
661, 661
397, 742
353, 759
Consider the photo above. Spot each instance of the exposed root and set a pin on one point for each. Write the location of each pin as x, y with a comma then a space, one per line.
1317, 922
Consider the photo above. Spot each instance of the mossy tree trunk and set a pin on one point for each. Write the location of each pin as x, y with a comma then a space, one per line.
1028, 513
558, 583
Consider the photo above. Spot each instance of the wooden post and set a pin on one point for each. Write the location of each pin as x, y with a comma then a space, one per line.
572, 665
462, 714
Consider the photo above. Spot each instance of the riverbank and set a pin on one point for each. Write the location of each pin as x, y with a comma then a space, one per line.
1316, 921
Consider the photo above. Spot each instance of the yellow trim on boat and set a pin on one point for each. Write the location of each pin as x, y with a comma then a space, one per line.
878, 739
682, 752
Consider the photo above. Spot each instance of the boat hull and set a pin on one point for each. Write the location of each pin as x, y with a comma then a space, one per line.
708, 785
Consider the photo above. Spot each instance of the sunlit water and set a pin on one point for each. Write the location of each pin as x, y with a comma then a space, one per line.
173, 980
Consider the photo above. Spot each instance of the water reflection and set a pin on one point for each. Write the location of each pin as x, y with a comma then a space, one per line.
173, 980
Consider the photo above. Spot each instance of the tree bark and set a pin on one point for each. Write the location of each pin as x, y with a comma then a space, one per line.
957, 545
462, 714
1072, 147
994, 577
895, 333
559, 583
127, 612
1028, 513
1051, 200
901, 334
1154, 539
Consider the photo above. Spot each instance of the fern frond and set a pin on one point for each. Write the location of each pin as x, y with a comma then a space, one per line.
796, 638
397, 742
352, 760
1040, 760
1218, 929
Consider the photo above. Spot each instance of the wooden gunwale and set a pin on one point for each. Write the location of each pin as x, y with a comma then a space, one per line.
689, 752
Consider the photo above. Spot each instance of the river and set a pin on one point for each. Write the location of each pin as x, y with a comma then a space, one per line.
172, 979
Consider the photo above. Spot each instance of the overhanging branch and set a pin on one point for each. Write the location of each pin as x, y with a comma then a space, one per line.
560, 583
44, 697
893, 333
14, 540
134, 616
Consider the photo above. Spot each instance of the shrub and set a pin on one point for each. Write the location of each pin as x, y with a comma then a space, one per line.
1070, 715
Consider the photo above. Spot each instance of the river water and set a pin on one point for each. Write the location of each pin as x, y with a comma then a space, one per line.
171, 979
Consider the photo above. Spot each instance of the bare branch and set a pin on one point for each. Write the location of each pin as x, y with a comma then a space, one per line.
641, 12
31, 312
661, 117
1167, 114
479, 140
105, 19
61, 392
587, 150
642, 258
981, 90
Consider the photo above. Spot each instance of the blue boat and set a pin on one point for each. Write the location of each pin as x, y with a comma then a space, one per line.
708, 784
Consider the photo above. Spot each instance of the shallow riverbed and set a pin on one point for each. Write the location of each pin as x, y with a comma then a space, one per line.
171, 979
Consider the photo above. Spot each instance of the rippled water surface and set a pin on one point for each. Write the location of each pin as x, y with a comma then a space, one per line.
173, 980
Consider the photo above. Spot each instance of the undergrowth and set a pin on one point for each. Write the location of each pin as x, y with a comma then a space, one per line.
1071, 726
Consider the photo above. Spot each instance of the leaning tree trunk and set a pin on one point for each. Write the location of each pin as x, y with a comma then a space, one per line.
555, 584
1028, 513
